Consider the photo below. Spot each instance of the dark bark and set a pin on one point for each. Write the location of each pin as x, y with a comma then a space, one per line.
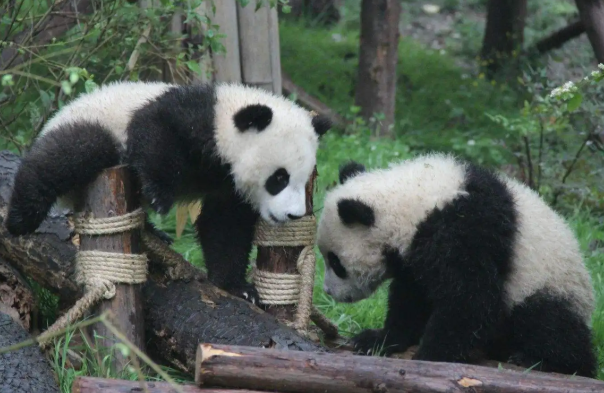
23, 370
16, 297
289, 371
114, 194
560, 37
504, 32
378, 57
104, 385
592, 16
181, 308
54, 24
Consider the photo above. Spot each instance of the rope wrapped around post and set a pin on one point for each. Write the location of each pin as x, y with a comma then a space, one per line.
287, 288
100, 271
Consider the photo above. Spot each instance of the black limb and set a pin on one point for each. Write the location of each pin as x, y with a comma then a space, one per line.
225, 229
548, 335
58, 162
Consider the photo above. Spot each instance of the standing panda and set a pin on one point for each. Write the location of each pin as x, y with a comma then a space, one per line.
481, 266
247, 152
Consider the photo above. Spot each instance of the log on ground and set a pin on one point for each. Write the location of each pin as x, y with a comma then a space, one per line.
23, 370
292, 371
181, 307
106, 385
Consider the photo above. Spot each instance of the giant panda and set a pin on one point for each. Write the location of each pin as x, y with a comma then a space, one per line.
480, 265
247, 152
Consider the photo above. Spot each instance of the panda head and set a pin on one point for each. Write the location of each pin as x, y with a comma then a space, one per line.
350, 239
270, 144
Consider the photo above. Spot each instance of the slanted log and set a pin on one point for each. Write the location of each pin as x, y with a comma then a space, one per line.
23, 370
179, 304
560, 37
310, 102
288, 371
114, 193
106, 385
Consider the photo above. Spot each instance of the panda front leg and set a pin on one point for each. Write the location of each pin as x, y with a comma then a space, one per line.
408, 312
225, 229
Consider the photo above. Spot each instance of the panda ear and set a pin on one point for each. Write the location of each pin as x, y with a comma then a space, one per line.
353, 211
253, 116
349, 170
321, 124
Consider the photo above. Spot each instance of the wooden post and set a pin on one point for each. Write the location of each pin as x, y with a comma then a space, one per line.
230, 366
112, 194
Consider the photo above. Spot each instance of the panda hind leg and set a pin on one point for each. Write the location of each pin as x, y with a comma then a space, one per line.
547, 335
58, 162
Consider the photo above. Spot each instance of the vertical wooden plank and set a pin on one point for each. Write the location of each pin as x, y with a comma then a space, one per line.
254, 46
113, 194
275, 50
227, 66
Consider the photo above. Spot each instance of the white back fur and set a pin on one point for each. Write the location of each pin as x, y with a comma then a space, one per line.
112, 105
547, 254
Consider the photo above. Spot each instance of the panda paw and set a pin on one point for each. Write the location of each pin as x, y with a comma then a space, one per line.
246, 291
369, 342
521, 360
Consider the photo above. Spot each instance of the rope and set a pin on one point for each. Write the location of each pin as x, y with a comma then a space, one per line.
288, 288
100, 271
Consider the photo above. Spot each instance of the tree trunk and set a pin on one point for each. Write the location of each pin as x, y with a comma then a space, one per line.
288, 371
504, 32
181, 307
378, 57
592, 16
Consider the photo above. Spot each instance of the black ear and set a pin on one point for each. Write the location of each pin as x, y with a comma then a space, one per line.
321, 123
353, 211
350, 169
257, 116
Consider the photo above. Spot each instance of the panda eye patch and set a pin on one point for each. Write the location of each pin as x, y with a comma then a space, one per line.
277, 181
336, 265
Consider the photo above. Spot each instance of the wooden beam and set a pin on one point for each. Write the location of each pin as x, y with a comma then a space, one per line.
287, 371
106, 385
113, 193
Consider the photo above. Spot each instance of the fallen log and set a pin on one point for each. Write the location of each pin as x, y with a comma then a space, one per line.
105, 385
16, 296
181, 307
23, 370
289, 371
560, 37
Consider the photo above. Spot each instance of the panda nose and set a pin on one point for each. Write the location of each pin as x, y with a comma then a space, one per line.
294, 217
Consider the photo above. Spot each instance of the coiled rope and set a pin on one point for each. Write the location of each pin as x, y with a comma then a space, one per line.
100, 271
288, 288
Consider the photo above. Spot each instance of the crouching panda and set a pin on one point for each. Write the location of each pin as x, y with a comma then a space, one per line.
480, 265
247, 152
